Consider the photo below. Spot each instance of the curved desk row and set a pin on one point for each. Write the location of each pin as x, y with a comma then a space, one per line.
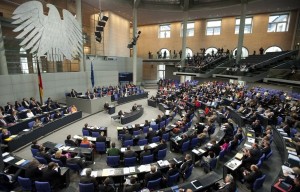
130, 98
26, 137
131, 116
23, 123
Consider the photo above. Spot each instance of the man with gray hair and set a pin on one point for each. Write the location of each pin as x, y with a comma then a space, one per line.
229, 184
153, 175
87, 178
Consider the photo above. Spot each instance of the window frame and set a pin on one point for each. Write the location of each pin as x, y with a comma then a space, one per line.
277, 23
213, 27
237, 26
188, 29
165, 31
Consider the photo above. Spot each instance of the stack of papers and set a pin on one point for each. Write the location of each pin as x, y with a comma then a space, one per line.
251, 140
58, 145
123, 149
132, 169
119, 128
287, 171
153, 145
77, 137
195, 151
239, 156
20, 162
144, 168
4, 154
163, 163
126, 170
93, 174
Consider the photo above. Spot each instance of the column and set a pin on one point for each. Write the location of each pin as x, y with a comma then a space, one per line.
79, 19
241, 31
134, 32
183, 49
3, 63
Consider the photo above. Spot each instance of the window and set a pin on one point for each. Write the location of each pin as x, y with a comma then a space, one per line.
273, 49
211, 50
189, 29
165, 53
247, 28
24, 61
188, 52
245, 52
161, 71
164, 31
278, 23
213, 27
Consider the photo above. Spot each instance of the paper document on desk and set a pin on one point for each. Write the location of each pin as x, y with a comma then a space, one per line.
292, 152
77, 137
247, 145
8, 159
108, 172
201, 150
83, 172
195, 151
294, 157
119, 128
26, 129
123, 149
66, 148
126, 170
20, 162
239, 156
251, 140
94, 174
287, 171
290, 149
132, 169
152, 145
4, 154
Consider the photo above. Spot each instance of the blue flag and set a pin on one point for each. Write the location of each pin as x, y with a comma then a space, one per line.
92, 75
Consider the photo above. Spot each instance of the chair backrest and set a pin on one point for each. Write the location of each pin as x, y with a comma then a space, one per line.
166, 136
34, 151
146, 129
154, 184
259, 163
85, 132
95, 134
25, 183
162, 124
154, 127
213, 163
262, 158
222, 154
113, 161
185, 146
293, 132
86, 187
258, 183
42, 160
128, 142
58, 162
128, 162
100, 147
279, 120
194, 142
168, 121
74, 166
147, 159
84, 145
269, 155
142, 142
30, 124
188, 172
173, 179
161, 154
155, 139
136, 132
42, 186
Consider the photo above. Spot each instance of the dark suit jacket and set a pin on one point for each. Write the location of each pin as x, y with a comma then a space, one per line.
101, 139
231, 187
171, 172
184, 167
150, 135
70, 143
127, 137
145, 153
252, 176
107, 188
87, 180
216, 149
133, 188
52, 176
152, 176
25, 104
34, 173
129, 153
160, 147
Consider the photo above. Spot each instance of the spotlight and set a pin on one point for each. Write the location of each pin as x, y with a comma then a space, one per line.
99, 28
98, 39
104, 18
130, 46
101, 23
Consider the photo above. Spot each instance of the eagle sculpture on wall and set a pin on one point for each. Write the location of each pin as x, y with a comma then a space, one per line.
48, 35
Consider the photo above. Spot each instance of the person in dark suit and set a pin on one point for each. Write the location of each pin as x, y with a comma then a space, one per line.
17, 104
35, 145
107, 186
134, 107
57, 115
256, 126
73, 93
266, 148
87, 179
177, 145
133, 187
150, 135
250, 177
172, 170
127, 136
32, 171
70, 142
248, 159
106, 106
186, 164
25, 103
160, 146
47, 119
120, 113
215, 147
146, 152
101, 137
3, 122
153, 174
52, 175
13, 118
129, 153
229, 184
8, 108
45, 155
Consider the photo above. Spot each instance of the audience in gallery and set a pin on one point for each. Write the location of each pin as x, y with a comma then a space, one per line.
37, 123
73, 109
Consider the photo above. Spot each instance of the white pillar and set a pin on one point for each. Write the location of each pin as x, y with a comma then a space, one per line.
184, 29
79, 20
3, 63
241, 31
134, 32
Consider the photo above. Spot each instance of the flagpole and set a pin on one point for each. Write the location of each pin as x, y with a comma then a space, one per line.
40, 79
